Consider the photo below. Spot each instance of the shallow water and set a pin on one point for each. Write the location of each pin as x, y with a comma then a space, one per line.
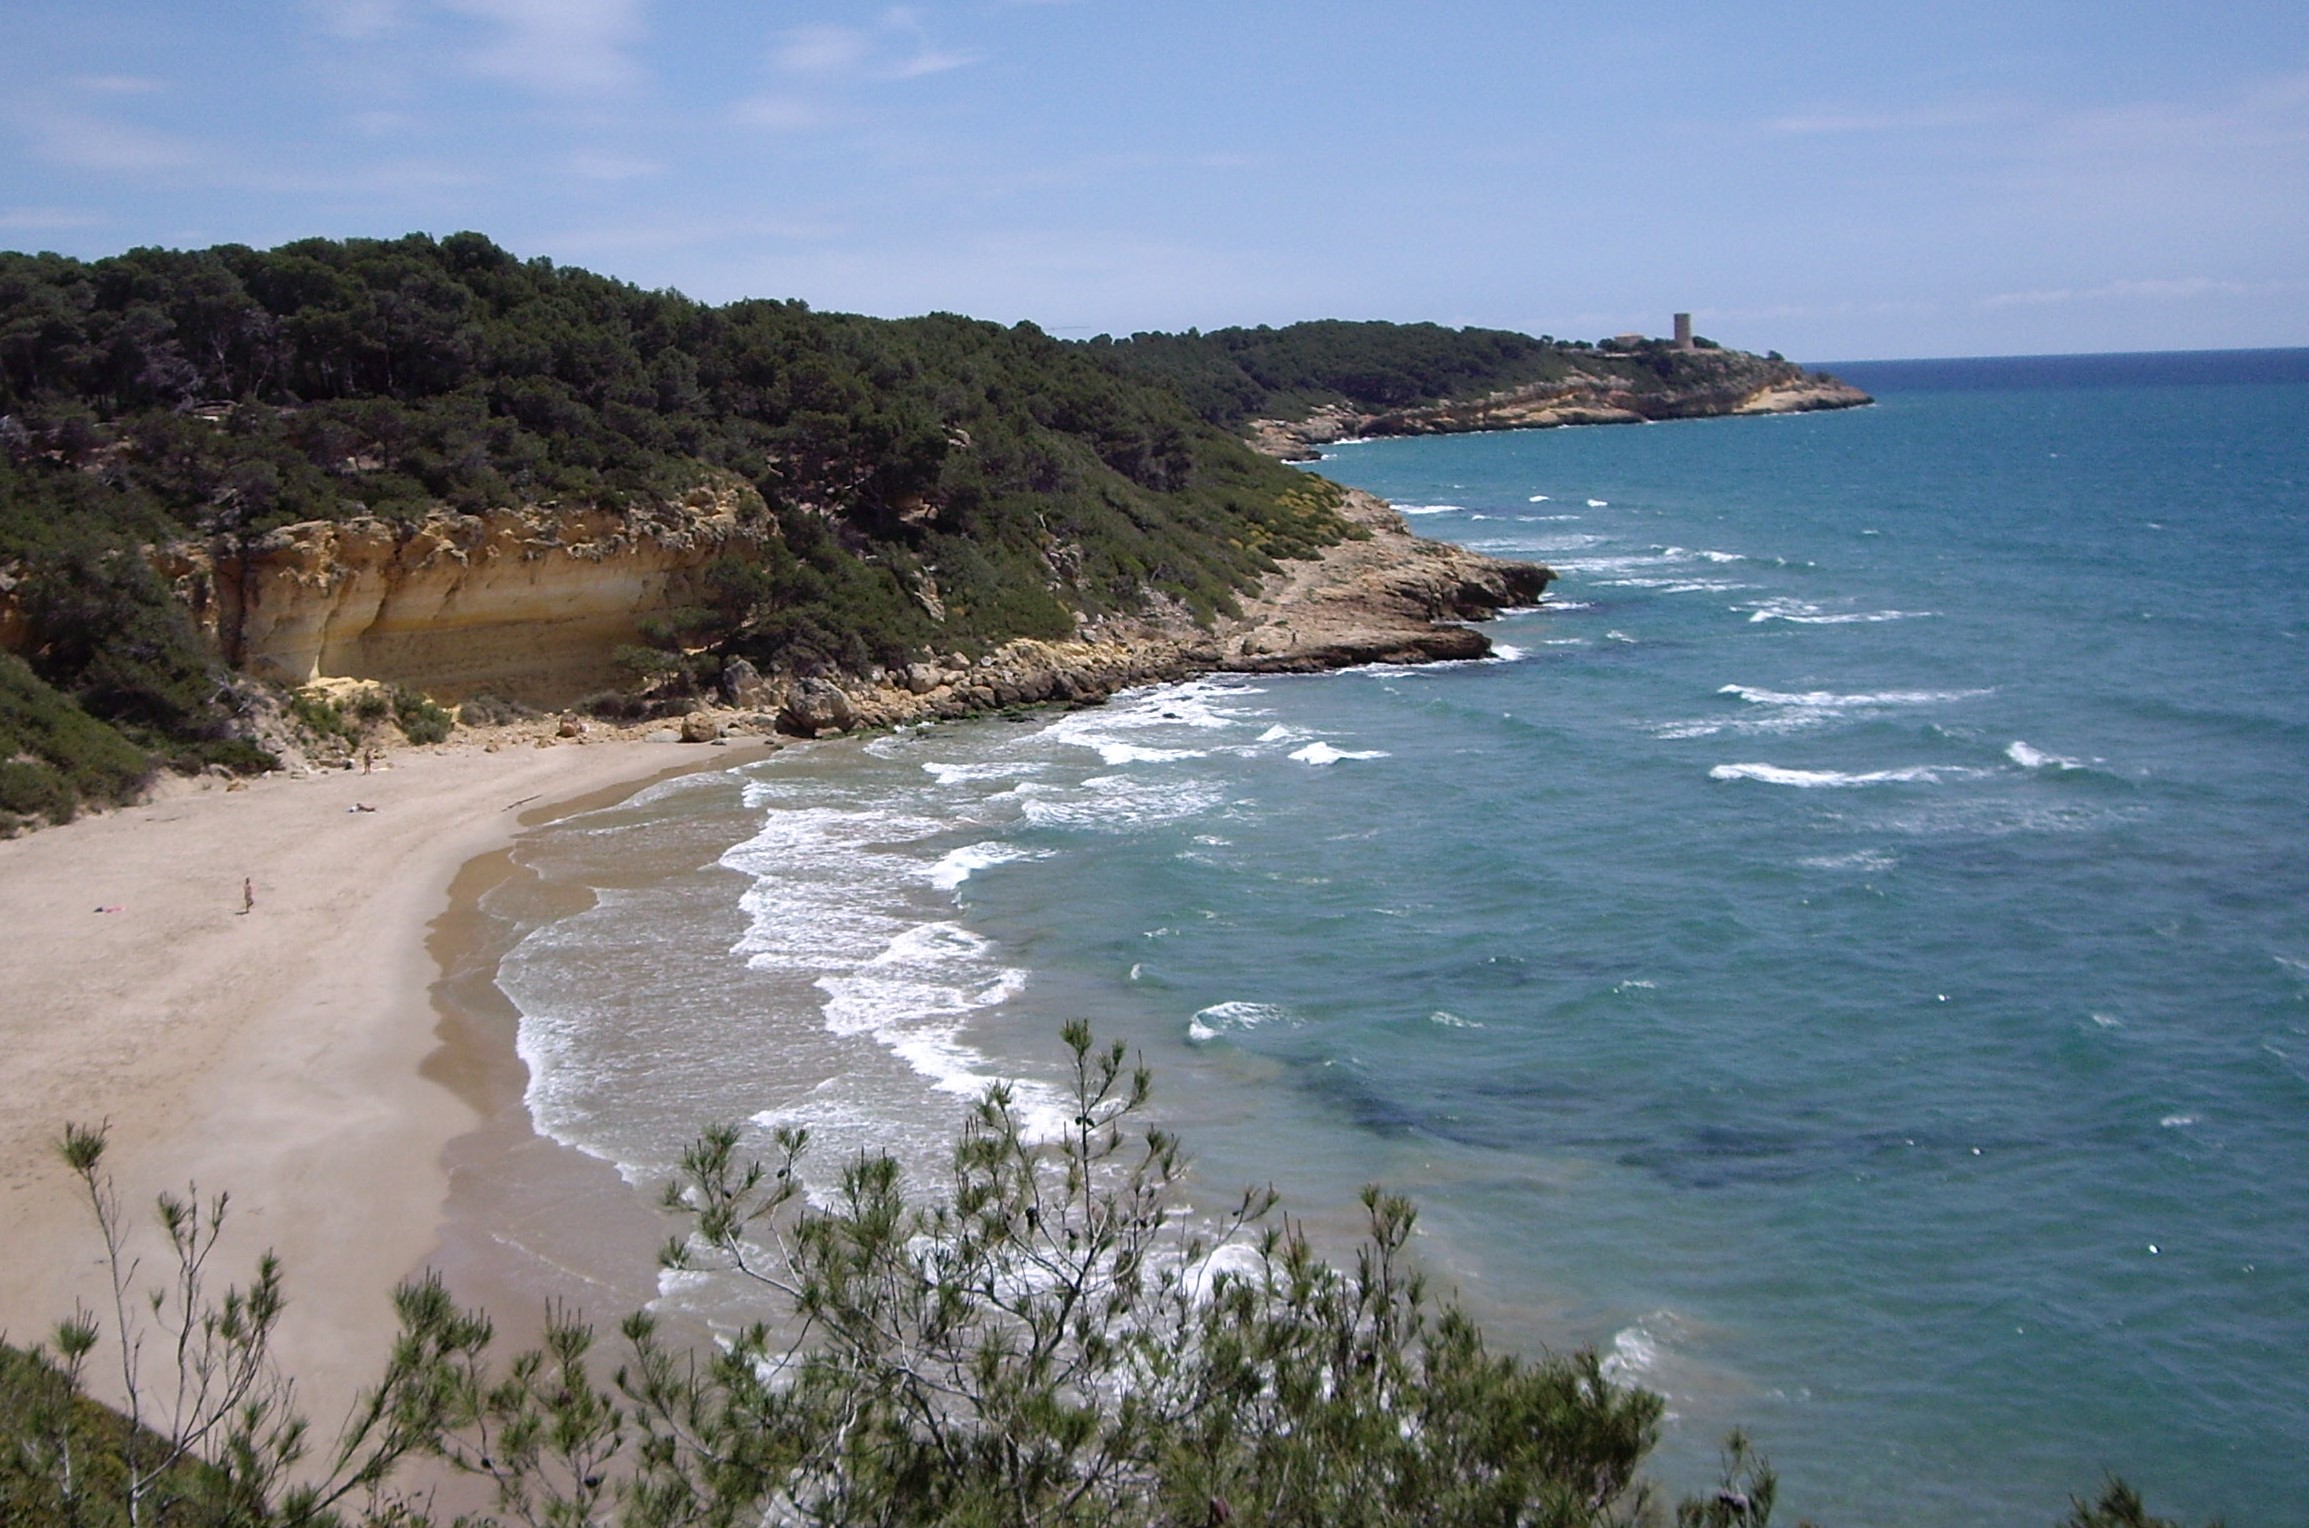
1848, 958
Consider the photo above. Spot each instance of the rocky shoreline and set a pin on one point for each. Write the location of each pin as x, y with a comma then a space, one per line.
1549, 405
1382, 596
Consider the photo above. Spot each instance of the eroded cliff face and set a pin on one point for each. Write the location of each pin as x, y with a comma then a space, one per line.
530, 604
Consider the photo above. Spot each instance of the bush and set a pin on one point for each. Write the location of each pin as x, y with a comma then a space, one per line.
56, 755
420, 720
1049, 1340
319, 715
493, 711
237, 754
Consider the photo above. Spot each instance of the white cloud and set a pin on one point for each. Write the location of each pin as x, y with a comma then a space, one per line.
822, 50
558, 47
85, 142
930, 62
921, 57
897, 47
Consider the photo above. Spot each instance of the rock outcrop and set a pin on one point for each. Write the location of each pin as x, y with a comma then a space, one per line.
1385, 596
1778, 388
531, 604
1388, 597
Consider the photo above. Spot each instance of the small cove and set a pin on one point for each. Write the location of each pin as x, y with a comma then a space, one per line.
1815, 963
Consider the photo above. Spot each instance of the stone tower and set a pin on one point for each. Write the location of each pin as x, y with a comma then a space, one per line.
1683, 331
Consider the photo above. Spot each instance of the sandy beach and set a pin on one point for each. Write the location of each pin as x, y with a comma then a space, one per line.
310, 1055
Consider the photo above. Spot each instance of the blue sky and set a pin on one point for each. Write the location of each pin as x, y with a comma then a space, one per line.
1836, 181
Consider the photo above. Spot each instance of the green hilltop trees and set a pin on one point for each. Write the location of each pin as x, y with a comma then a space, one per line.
165, 395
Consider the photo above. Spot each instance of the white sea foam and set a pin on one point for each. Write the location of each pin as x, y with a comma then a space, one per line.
1804, 613
1676, 585
1205, 704
1872, 861
1635, 1353
1432, 509
1829, 779
2177, 1121
1598, 504
1830, 700
964, 774
1233, 1018
1538, 498
959, 865
2036, 758
834, 903
1781, 712
1120, 804
1503, 652
1449, 1020
1324, 753
1133, 753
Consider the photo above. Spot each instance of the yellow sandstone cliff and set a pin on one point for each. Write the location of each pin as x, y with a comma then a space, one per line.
530, 604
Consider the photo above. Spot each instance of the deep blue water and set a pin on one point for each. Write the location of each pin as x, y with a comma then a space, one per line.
1850, 961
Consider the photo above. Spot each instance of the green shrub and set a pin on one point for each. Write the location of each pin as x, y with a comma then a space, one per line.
1051, 1339
420, 720
36, 790
319, 715
56, 755
240, 755
493, 711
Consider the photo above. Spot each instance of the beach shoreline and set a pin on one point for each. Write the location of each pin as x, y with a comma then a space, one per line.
321, 1056
284, 987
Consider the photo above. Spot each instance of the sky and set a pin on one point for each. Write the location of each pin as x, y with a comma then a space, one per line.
1835, 181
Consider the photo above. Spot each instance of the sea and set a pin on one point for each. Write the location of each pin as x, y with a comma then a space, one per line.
1844, 957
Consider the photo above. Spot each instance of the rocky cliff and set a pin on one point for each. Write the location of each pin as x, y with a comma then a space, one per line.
530, 604
1384, 596
1580, 399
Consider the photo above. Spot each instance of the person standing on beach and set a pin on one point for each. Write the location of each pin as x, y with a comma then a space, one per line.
248, 895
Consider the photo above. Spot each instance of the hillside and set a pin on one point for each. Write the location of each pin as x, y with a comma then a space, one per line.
1302, 386
841, 494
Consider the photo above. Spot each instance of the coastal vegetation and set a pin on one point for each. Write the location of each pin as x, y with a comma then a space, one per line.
1232, 376
904, 488
1048, 1337
925, 484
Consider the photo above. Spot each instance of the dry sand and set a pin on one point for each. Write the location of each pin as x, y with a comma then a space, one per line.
292, 1054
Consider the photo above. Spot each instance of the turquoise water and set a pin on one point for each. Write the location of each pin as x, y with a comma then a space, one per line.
1848, 959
